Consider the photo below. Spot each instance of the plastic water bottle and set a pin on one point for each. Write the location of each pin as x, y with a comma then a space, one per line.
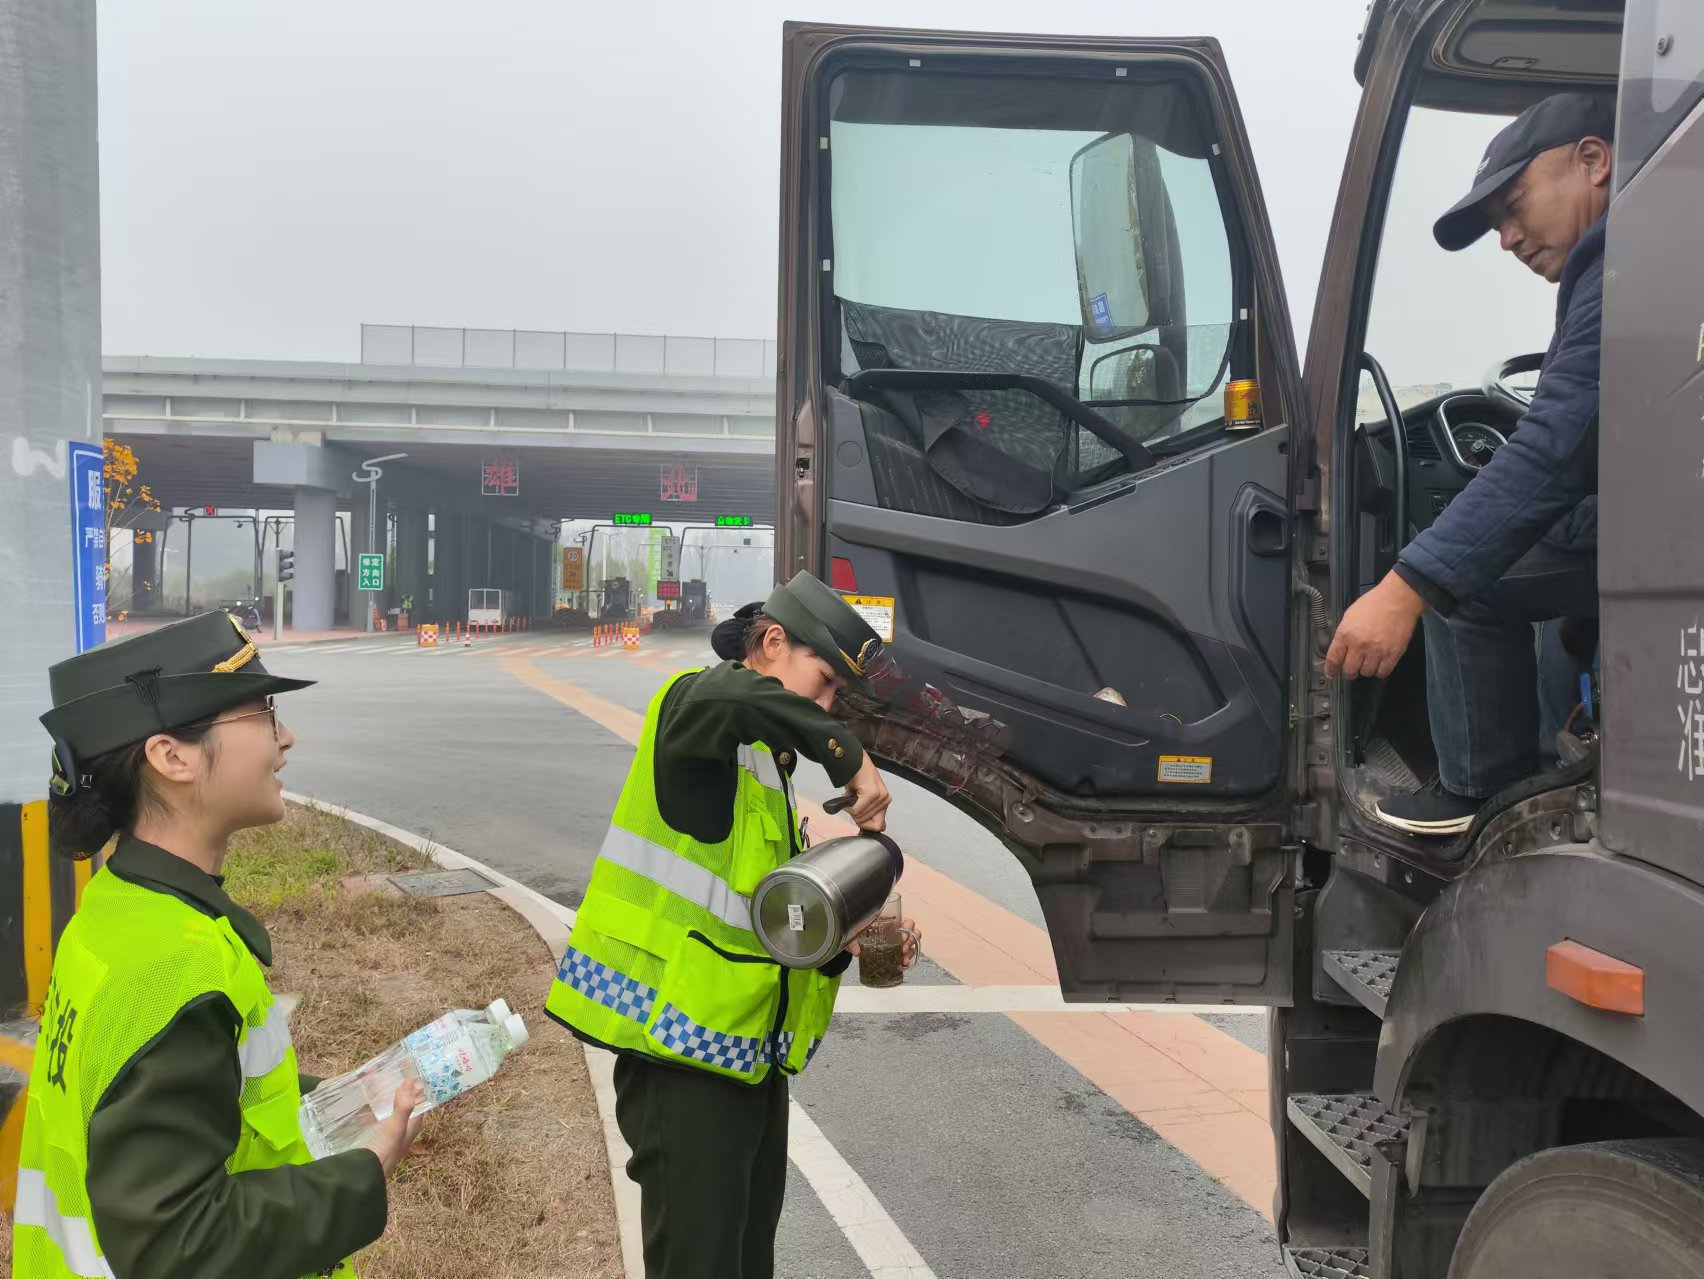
448, 1056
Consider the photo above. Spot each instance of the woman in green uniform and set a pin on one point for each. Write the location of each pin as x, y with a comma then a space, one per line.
160, 1137
663, 966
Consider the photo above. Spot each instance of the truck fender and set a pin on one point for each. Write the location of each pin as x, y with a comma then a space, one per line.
1480, 950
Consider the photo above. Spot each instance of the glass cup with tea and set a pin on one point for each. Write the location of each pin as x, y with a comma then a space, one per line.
882, 945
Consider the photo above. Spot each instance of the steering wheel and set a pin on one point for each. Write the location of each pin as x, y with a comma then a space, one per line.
1511, 400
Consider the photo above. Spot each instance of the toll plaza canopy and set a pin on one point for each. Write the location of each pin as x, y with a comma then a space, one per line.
502, 433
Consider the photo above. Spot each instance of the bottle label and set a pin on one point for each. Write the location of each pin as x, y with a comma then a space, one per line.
442, 1053
795, 917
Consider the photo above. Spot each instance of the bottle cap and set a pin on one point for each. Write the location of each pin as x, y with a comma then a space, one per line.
517, 1030
499, 1010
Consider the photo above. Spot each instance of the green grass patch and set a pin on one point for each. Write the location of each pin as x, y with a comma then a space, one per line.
294, 864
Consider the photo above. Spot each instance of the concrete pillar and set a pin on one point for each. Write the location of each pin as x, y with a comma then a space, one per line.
411, 554
449, 581
145, 576
50, 354
316, 560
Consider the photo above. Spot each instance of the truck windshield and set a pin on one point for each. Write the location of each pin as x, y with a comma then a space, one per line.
951, 201
1440, 320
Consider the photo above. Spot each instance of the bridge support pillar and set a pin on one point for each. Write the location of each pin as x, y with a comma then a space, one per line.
313, 589
411, 577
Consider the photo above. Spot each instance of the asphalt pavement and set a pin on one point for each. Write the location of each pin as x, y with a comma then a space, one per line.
982, 1135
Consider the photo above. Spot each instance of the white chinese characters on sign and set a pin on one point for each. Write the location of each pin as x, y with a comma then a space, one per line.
680, 482
1689, 679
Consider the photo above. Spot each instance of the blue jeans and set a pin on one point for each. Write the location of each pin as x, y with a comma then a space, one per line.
1482, 662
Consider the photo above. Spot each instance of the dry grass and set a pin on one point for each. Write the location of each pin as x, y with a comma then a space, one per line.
509, 1182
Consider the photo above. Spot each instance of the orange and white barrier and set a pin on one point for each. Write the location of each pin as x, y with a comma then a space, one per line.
426, 636
630, 637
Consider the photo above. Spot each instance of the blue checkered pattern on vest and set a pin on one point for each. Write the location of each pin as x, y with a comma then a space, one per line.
784, 1048
679, 1033
604, 985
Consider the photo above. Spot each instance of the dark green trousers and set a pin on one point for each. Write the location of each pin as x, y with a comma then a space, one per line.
710, 1157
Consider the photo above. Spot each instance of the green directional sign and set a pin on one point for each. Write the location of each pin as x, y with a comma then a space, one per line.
372, 573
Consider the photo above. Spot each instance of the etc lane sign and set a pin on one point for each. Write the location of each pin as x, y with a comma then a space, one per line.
88, 542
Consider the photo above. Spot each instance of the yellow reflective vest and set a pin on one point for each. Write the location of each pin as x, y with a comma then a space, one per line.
130, 959
663, 961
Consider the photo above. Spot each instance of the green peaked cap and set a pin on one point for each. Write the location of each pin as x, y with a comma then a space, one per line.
817, 617
129, 689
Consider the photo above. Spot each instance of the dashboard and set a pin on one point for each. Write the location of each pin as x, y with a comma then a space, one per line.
1449, 439
1471, 440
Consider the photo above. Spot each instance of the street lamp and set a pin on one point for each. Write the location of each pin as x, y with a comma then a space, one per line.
369, 475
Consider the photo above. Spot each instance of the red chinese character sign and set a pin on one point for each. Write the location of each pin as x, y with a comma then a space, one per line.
500, 477
680, 482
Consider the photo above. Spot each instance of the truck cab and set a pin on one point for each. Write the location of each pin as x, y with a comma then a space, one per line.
1043, 418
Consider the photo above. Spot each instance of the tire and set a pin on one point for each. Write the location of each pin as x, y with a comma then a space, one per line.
1607, 1210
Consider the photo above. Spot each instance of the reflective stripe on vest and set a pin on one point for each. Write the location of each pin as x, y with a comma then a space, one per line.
761, 765
674, 1029
682, 877
266, 1046
663, 960
603, 984
39, 1207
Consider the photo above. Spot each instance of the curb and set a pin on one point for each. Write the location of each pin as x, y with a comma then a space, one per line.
552, 921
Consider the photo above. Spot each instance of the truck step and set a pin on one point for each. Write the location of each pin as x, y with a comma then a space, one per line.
1365, 974
1326, 1263
1345, 1127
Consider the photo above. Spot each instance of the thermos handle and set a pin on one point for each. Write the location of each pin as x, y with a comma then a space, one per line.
840, 803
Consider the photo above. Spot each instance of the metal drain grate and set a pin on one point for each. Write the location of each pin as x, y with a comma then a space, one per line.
1345, 1128
442, 883
1365, 974
1327, 1263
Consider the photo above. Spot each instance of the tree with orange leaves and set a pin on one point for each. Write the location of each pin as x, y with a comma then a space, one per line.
128, 501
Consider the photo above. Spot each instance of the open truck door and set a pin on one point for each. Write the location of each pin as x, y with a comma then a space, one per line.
1036, 382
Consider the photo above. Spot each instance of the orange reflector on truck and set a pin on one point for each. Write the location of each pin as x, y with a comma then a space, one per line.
1595, 979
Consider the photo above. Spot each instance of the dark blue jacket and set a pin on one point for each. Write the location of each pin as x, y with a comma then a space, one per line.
1546, 470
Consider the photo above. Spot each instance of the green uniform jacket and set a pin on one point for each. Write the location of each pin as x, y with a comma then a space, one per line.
706, 719
162, 1201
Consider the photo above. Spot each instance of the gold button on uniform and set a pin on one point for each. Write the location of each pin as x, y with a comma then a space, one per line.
833, 745
838, 753
785, 759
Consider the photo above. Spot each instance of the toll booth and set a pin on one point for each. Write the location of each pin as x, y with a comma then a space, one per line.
487, 606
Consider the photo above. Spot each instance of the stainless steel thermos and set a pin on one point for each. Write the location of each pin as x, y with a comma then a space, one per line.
806, 911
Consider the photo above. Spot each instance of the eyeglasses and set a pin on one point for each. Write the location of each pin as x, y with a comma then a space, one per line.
270, 711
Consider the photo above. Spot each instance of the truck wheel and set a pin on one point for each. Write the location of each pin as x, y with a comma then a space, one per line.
1600, 1211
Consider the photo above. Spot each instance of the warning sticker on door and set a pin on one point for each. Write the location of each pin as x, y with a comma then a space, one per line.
877, 610
1186, 768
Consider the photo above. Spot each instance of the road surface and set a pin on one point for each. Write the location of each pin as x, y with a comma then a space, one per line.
1002, 1136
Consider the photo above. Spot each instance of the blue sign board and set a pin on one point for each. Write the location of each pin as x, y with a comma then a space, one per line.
88, 532
1102, 313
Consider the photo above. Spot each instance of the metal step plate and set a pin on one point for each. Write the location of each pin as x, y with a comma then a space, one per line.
1345, 1127
1365, 974
1327, 1263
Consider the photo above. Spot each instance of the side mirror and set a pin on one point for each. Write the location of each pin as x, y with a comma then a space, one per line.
1121, 221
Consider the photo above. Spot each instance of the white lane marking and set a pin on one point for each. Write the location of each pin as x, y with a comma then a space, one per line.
1002, 999
876, 1237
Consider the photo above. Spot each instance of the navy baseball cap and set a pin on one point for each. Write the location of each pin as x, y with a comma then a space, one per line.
1554, 122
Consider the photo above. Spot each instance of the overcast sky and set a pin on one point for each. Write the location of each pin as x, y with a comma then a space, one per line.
274, 174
